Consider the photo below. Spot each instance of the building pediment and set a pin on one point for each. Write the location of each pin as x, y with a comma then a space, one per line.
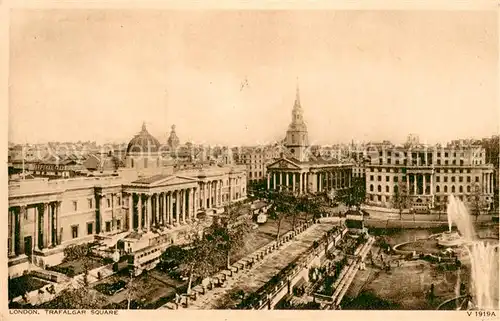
284, 163
164, 180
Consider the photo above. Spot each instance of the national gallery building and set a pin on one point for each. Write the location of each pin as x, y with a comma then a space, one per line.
146, 199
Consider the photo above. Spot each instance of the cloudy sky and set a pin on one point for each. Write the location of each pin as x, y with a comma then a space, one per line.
98, 74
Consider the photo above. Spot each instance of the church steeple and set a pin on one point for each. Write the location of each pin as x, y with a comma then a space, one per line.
296, 136
297, 94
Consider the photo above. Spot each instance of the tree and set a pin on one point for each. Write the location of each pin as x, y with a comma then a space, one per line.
79, 297
131, 289
476, 202
401, 198
201, 260
310, 204
353, 196
257, 187
228, 234
80, 252
282, 205
171, 258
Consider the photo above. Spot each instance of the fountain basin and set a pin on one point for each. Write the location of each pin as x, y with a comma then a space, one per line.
450, 239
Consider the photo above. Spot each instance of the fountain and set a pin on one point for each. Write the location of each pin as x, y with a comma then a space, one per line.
483, 257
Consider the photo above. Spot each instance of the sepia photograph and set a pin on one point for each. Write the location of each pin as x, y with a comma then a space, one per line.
243, 159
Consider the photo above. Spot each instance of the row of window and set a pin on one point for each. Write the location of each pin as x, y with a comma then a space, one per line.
429, 162
256, 175
90, 203
460, 179
403, 170
438, 189
90, 228
141, 255
438, 199
429, 155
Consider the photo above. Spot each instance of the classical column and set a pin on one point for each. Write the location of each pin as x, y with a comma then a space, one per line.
268, 181
320, 187
423, 183
148, 216
220, 193
156, 219
170, 209
163, 211
281, 180
139, 213
58, 237
22, 213
101, 214
293, 181
130, 211
12, 219
35, 232
46, 225
210, 194
432, 184
202, 195
177, 208
415, 184
183, 200
112, 211
195, 204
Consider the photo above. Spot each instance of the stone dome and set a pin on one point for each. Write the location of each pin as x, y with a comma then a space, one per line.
143, 142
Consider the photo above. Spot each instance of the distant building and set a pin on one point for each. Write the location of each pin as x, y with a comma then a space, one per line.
256, 159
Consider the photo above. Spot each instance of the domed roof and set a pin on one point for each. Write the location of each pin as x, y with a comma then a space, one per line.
143, 142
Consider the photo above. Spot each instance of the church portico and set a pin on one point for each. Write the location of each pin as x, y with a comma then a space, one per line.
307, 177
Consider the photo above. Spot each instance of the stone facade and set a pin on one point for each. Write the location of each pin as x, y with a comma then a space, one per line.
47, 215
427, 175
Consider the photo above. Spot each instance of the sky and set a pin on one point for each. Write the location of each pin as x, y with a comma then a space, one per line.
79, 74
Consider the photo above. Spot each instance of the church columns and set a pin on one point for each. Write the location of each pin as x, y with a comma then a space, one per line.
293, 181
268, 180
